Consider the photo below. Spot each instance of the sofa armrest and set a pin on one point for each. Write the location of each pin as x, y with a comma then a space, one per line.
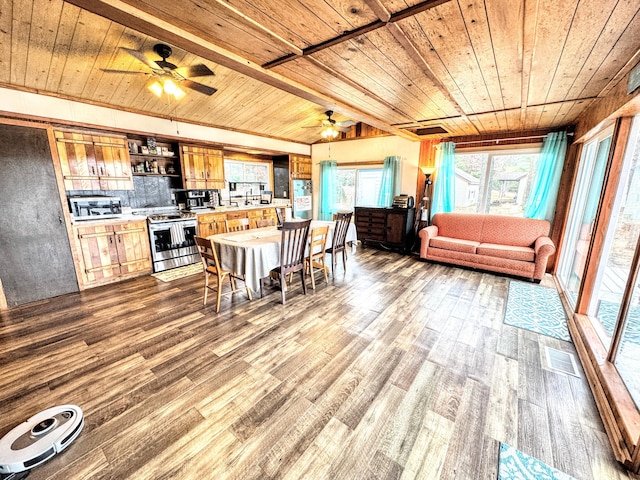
426, 234
543, 249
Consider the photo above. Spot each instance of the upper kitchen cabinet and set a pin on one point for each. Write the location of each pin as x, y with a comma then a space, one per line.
300, 167
92, 161
202, 168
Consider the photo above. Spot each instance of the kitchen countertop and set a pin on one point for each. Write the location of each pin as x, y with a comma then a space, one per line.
240, 208
142, 214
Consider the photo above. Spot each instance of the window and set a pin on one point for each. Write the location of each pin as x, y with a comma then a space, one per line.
495, 182
244, 171
357, 186
245, 179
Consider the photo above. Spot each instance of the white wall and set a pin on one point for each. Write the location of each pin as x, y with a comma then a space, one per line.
364, 150
26, 103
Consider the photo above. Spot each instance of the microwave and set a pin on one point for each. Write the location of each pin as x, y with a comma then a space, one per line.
95, 208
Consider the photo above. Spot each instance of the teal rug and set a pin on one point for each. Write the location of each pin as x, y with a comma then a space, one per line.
536, 308
516, 465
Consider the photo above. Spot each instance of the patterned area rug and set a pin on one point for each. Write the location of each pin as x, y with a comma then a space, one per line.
536, 308
514, 464
180, 272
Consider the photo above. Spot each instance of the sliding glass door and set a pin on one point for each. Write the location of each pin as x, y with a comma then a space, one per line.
615, 300
584, 206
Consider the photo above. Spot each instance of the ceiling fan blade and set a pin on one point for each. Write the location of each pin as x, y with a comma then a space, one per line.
346, 123
130, 72
199, 70
313, 126
199, 87
142, 58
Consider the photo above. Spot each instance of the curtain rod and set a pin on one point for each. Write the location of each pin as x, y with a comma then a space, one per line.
506, 139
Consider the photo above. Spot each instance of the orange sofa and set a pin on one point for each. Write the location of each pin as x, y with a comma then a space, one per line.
498, 243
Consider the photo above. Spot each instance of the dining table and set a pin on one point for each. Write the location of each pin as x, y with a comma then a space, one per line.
254, 253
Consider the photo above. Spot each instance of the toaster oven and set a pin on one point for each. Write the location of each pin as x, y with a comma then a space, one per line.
403, 201
95, 208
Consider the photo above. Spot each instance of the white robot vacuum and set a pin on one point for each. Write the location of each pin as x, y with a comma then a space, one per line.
39, 438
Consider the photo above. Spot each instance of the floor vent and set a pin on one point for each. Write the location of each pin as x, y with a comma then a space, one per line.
562, 362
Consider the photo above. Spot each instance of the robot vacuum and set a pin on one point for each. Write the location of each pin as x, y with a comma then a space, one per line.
39, 438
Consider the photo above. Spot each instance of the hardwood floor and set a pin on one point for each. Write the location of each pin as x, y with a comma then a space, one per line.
398, 369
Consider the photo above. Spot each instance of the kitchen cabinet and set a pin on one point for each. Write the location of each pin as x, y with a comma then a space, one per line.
300, 167
388, 227
211, 223
202, 168
90, 161
113, 251
262, 214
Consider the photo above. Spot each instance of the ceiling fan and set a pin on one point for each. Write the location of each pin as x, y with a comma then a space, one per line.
168, 76
331, 128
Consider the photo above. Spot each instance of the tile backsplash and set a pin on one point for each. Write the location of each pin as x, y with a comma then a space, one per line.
147, 192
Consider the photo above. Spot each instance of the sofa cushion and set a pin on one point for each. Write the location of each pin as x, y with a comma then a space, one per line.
455, 244
525, 254
465, 226
518, 231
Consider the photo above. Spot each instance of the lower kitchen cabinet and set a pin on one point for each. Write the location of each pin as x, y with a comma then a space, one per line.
262, 214
112, 252
211, 223
388, 227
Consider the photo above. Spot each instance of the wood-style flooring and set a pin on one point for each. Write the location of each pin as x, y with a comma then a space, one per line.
398, 369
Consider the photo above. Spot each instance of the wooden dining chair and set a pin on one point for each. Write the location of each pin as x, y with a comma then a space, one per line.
212, 268
237, 224
339, 239
280, 214
265, 222
292, 251
317, 253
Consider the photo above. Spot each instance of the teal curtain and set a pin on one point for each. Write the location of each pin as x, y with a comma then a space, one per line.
328, 173
390, 184
541, 202
444, 185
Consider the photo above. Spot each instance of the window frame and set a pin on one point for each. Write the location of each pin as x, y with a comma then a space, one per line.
493, 151
359, 166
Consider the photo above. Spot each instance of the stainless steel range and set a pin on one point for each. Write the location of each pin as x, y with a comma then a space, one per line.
172, 240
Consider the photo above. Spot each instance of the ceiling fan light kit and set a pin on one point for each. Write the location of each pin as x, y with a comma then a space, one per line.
167, 86
166, 76
329, 132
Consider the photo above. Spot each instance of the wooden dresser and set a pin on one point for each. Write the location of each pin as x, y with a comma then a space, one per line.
387, 227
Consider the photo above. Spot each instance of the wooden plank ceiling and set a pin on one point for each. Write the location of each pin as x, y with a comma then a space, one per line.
470, 67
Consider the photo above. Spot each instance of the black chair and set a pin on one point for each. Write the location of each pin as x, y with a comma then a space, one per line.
339, 239
292, 252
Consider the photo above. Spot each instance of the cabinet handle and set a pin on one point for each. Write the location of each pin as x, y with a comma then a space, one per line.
100, 171
110, 239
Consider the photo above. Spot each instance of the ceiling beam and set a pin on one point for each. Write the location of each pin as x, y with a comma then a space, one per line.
285, 43
379, 10
124, 14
